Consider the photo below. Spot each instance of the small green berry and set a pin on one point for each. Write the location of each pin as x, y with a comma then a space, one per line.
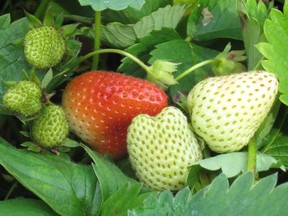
50, 128
24, 98
44, 47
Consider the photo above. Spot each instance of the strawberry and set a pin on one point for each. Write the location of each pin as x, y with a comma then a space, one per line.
23, 98
226, 111
50, 128
44, 47
162, 148
100, 106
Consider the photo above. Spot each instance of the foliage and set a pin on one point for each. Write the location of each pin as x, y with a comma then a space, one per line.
201, 38
275, 29
247, 197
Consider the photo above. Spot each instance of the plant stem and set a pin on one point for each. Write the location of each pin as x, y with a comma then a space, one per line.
121, 52
41, 9
194, 67
97, 31
252, 150
12, 188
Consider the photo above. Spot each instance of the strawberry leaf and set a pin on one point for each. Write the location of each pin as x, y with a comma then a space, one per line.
279, 146
22, 206
100, 5
126, 197
131, 15
247, 197
11, 56
234, 163
120, 35
253, 16
143, 48
110, 177
275, 51
168, 17
68, 188
207, 22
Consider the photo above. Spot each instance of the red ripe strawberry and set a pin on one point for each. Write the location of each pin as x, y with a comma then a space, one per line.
101, 105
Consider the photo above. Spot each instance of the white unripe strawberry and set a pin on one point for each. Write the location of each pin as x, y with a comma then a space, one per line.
162, 148
226, 111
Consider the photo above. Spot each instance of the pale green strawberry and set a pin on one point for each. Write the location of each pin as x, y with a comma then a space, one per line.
44, 47
50, 128
24, 98
162, 148
226, 111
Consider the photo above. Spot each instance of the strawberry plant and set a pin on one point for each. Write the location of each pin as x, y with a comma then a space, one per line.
147, 107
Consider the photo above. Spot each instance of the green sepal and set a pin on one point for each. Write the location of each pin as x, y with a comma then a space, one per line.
9, 83
47, 79
49, 19
228, 62
161, 73
69, 30
33, 77
31, 146
34, 22
59, 20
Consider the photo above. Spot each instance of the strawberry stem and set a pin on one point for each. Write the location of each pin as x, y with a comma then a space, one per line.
97, 31
11, 190
121, 52
196, 66
252, 150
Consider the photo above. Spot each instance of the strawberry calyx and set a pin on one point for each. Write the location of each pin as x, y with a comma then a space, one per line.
229, 62
160, 73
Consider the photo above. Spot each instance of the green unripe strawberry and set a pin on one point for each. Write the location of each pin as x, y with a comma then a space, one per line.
162, 148
24, 98
44, 47
50, 128
226, 111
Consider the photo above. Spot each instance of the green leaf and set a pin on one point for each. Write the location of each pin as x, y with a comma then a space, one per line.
275, 51
68, 188
131, 15
254, 15
12, 61
278, 148
268, 123
167, 17
110, 177
235, 163
126, 197
143, 48
241, 198
20, 207
5, 21
161, 204
186, 55
119, 35
208, 22
100, 5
